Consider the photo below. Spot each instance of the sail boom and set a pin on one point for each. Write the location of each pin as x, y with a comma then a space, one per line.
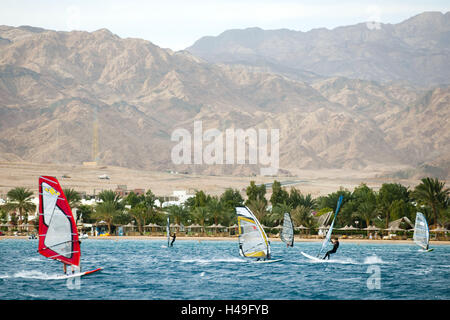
58, 256
168, 231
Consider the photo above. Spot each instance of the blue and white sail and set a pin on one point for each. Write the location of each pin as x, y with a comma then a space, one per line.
330, 231
421, 232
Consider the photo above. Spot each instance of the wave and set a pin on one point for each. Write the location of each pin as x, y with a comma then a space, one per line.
340, 260
213, 260
35, 275
373, 260
33, 259
349, 280
368, 260
421, 271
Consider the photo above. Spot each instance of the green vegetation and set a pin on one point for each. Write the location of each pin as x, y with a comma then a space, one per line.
432, 193
361, 207
19, 204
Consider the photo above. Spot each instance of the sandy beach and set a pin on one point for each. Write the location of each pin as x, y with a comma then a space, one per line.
182, 238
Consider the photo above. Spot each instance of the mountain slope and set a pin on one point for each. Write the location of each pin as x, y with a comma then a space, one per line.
416, 50
52, 84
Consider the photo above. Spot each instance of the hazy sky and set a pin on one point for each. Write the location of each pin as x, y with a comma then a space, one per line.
177, 24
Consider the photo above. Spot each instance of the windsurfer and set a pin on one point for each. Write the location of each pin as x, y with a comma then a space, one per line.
268, 252
173, 239
335, 247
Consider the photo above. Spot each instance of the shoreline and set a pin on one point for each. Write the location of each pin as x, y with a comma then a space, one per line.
181, 238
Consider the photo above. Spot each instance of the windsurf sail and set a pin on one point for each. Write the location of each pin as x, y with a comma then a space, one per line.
253, 242
330, 231
168, 231
421, 233
58, 235
287, 234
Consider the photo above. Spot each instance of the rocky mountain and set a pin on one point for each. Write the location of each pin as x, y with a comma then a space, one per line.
416, 50
53, 85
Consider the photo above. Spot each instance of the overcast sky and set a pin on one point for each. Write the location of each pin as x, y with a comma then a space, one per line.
177, 24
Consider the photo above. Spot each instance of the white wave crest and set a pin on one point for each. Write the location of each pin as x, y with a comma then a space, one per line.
36, 275
373, 260
213, 260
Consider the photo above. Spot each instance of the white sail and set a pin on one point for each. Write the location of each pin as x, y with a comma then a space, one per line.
252, 238
421, 233
287, 234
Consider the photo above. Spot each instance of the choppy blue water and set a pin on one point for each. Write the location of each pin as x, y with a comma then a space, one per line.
146, 269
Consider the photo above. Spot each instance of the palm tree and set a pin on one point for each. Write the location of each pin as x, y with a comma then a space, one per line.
366, 211
141, 214
228, 216
388, 193
278, 212
20, 199
179, 213
200, 214
215, 208
106, 211
161, 201
431, 192
110, 208
306, 201
111, 196
301, 215
259, 209
73, 198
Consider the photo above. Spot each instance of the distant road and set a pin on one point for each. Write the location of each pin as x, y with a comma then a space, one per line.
285, 183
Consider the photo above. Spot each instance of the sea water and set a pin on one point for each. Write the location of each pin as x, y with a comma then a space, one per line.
210, 270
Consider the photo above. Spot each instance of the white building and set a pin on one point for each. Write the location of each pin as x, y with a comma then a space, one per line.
180, 195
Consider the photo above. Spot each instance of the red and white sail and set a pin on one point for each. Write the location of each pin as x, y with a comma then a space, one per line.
58, 236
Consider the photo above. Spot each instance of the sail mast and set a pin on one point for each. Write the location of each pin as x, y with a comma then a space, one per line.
168, 231
330, 231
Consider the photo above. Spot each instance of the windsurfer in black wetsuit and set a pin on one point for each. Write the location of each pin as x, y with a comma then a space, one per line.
335, 247
268, 252
173, 239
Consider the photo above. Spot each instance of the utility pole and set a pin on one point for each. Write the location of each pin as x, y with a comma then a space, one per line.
95, 137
